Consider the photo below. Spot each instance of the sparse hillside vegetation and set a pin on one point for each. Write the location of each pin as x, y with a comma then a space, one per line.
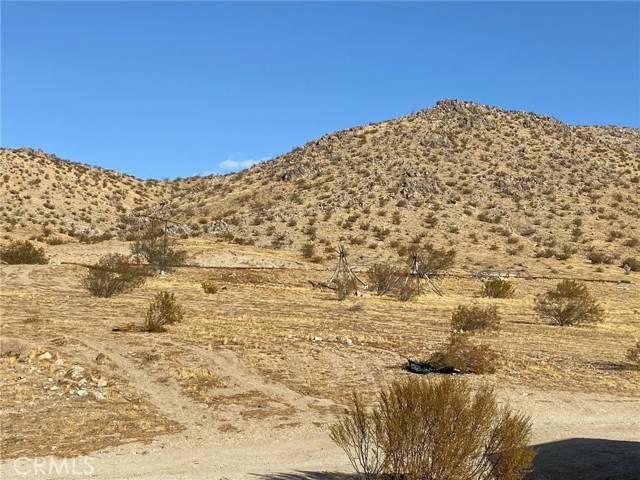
23, 253
513, 184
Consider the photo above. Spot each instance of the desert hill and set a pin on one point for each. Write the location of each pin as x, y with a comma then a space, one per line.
501, 182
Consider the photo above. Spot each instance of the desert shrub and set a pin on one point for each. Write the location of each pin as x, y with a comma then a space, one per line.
345, 287
498, 288
113, 274
432, 259
600, 257
209, 286
565, 253
569, 303
408, 288
163, 310
156, 247
631, 263
462, 355
308, 250
423, 430
633, 354
475, 317
383, 277
23, 253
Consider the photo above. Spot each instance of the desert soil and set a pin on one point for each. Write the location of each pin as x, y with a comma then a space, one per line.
245, 387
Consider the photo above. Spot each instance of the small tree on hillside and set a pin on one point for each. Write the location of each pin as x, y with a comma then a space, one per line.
155, 245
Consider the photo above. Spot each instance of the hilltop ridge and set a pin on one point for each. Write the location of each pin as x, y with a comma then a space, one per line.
509, 182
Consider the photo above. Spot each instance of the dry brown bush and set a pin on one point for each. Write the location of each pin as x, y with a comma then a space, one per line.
383, 277
155, 245
633, 354
408, 288
423, 430
460, 355
475, 317
308, 250
569, 303
345, 287
114, 273
209, 286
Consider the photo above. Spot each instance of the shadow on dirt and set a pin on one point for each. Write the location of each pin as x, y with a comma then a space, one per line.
587, 459
300, 475
571, 459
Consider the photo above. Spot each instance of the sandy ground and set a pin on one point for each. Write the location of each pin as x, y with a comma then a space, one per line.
261, 422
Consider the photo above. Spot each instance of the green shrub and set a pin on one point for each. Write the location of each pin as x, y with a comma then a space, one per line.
475, 317
163, 310
113, 274
23, 253
600, 257
631, 263
498, 288
569, 303
424, 430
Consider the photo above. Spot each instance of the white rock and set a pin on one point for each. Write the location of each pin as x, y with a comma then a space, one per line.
100, 396
45, 356
82, 392
76, 372
101, 382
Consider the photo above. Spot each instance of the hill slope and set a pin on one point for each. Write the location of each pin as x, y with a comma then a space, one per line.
506, 183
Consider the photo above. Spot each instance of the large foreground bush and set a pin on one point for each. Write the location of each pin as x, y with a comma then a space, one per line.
23, 253
113, 274
435, 430
569, 304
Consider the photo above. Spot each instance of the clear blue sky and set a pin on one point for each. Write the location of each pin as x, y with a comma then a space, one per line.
176, 89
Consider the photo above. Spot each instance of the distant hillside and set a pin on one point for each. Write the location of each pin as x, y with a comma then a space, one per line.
487, 180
